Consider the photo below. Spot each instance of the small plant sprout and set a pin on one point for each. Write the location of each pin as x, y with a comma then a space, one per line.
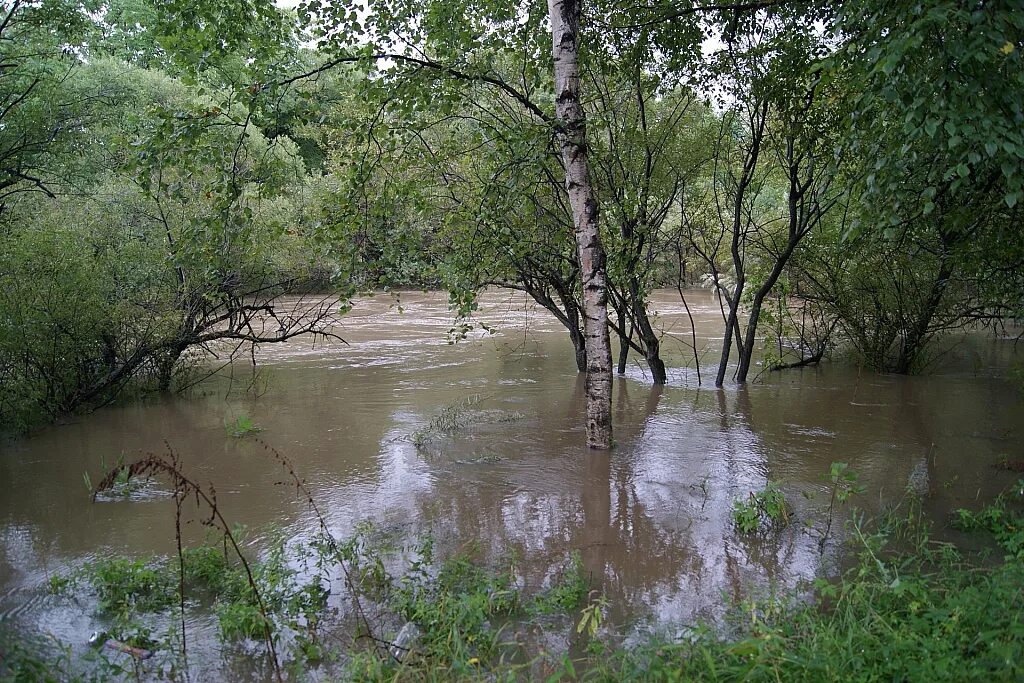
592, 616
842, 486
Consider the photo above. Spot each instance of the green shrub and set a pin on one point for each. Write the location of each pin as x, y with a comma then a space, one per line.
1005, 524
567, 593
764, 509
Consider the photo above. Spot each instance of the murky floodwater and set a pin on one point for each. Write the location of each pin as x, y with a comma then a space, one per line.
651, 520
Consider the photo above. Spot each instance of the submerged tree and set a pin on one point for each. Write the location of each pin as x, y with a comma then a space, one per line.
937, 101
773, 179
571, 134
449, 47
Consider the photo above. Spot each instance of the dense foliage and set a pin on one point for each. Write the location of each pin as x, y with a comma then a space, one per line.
182, 181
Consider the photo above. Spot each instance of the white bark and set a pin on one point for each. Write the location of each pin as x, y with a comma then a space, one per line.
565, 21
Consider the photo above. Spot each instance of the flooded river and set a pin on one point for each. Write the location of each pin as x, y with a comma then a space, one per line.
651, 520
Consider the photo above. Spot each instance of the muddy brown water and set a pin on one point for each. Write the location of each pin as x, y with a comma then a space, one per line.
651, 519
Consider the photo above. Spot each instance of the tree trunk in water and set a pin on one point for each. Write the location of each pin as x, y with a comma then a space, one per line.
165, 363
652, 345
915, 340
569, 317
579, 343
657, 366
623, 344
731, 327
565, 22
748, 348
723, 363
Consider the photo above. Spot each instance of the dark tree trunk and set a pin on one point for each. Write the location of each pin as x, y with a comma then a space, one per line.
731, 328
747, 352
579, 344
165, 364
916, 337
649, 338
624, 339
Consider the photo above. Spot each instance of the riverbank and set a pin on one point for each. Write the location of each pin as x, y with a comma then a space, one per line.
909, 608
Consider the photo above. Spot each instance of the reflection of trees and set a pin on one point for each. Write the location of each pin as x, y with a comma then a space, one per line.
884, 427
743, 563
651, 520
551, 497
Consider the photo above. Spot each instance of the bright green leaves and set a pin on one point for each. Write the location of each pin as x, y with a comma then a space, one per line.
761, 510
40, 120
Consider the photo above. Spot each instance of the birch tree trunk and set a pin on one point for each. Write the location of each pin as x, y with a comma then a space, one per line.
565, 22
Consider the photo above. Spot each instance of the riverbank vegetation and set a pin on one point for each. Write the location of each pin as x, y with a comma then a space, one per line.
845, 177
378, 606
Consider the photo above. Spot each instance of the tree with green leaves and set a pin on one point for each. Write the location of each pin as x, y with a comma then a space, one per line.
160, 234
40, 121
427, 52
937, 105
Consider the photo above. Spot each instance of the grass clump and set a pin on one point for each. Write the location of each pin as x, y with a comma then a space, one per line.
458, 609
129, 590
923, 614
242, 426
122, 483
32, 659
465, 617
761, 510
124, 586
1000, 519
450, 418
568, 592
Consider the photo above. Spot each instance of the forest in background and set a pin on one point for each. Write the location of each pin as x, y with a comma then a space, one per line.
847, 177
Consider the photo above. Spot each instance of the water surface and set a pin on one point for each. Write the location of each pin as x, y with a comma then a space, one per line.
651, 519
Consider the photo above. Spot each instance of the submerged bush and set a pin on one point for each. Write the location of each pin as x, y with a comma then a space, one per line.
125, 586
763, 509
927, 614
130, 591
1004, 523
